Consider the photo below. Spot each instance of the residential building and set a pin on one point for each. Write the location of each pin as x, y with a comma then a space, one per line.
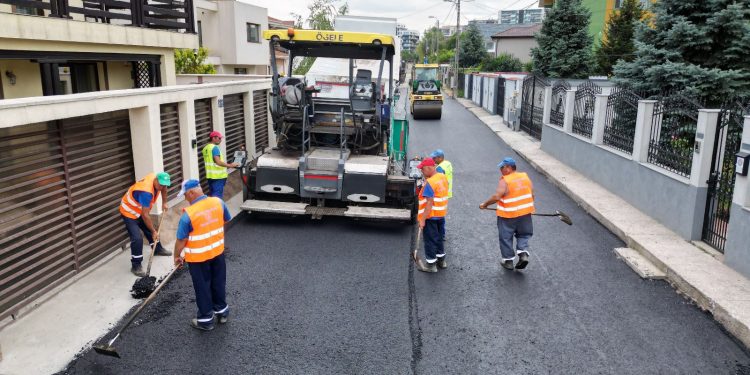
522, 16
488, 29
282, 55
517, 41
58, 47
450, 30
400, 28
232, 31
409, 40
601, 11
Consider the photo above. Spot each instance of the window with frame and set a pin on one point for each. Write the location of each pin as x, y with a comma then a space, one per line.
253, 33
240, 70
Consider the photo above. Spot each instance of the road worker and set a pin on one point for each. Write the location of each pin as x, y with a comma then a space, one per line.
200, 244
135, 209
445, 167
216, 165
433, 205
515, 204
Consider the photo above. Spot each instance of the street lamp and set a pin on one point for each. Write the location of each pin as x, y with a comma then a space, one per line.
437, 43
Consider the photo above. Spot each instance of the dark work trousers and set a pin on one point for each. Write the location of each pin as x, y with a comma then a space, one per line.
522, 228
209, 282
432, 233
216, 187
135, 227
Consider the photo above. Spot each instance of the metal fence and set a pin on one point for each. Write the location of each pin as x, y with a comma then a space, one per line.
532, 105
722, 178
170, 146
620, 119
260, 118
203, 126
557, 112
234, 124
673, 128
583, 117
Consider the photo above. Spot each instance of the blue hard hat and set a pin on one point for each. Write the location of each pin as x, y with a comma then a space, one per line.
437, 153
507, 161
187, 185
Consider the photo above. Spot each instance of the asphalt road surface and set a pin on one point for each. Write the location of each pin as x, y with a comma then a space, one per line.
338, 296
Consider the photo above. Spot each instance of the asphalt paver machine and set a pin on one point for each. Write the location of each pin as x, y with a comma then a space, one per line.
334, 156
426, 99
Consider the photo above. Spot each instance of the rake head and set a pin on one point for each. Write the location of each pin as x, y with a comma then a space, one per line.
564, 218
107, 350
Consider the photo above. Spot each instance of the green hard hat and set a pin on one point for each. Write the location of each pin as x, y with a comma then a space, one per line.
164, 179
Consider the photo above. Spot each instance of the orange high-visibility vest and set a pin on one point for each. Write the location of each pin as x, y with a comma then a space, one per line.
206, 240
519, 199
129, 206
439, 184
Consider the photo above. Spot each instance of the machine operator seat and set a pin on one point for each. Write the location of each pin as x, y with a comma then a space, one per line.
363, 92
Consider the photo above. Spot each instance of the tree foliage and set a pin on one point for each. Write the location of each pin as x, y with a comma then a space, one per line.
472, 47
617, 43
504, 62
321, 17
186, 61
564, 45
698, 47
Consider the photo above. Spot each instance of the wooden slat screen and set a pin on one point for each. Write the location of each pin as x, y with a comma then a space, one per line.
170, 146
260, 118
203, 127
60, 188
234, 124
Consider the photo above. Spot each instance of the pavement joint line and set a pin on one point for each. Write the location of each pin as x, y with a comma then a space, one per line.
693, 272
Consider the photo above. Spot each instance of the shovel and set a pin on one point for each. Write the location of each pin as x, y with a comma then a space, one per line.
563, 217
145, 285
108, 349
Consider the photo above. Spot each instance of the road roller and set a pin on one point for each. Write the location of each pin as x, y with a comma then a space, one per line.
426, 99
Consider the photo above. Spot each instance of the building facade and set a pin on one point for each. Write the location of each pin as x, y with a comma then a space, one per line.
522, 16
517, 41
232, 31
92, 47
409, 40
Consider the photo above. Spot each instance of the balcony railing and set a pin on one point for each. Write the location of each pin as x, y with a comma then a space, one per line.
155, 14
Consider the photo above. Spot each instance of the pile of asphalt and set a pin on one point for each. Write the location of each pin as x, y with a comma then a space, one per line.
143, 287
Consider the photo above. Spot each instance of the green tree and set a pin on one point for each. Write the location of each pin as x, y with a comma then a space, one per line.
186, 61
564, 45
322, 15
695, 46
472, 47
617, 43
504, 62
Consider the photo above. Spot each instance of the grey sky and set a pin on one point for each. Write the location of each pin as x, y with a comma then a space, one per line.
413, 13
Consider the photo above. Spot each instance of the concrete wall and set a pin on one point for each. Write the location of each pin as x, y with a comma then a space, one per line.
676, 204
224, 25
28, 79
737, 250
518, 47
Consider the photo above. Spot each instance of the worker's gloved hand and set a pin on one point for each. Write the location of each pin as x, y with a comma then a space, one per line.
421, 224
155, 236
178, 262
482, 206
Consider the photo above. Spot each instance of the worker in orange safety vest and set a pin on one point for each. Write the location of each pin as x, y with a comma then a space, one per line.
433, 206
200, 244
135, 209
515, 204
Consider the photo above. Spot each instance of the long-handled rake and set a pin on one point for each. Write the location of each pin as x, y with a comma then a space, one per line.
562, 215
107, 349
143, 286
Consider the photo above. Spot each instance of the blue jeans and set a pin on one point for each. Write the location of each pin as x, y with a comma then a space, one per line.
216, 188
522, 228
209, 283
433, 233
134, 228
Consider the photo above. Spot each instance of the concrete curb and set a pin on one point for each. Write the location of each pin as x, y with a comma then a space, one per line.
713, 286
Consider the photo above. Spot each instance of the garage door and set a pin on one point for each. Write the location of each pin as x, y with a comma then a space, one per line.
234, 124
170, 146
60, 188
260, 119
203, 127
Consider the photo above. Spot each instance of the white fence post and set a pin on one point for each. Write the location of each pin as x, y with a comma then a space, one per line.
600, 115
547, 105
247, 106
145, 130
703, 146
570, 105
188, 134
742, 183
217, 110
643, 125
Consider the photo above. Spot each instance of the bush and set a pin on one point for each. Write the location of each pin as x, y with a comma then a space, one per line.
503, 63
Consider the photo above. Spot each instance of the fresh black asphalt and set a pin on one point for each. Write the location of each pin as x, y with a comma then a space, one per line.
338, 296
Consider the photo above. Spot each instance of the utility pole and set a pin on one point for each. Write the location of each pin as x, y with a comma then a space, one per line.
458, 45
437, 41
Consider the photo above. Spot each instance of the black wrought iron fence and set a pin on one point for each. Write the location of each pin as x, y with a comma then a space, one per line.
532, 105
557, 112
583, 117
620, 119
673, 128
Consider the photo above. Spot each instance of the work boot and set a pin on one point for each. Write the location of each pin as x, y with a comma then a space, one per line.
223, 319
426, 267
162, 252
203, 327
441, 263
523, 261
507, 264
137, 270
